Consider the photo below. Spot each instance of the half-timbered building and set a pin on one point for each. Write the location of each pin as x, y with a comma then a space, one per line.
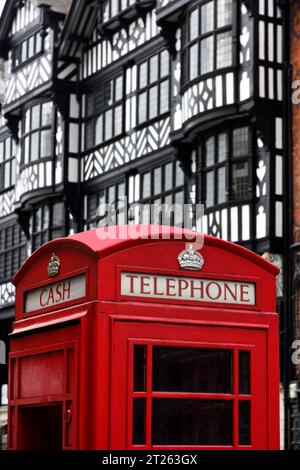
161, 101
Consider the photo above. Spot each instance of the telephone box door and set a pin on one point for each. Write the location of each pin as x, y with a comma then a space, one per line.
188, 387
43, 391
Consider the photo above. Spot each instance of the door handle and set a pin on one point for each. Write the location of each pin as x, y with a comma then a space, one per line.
68, 416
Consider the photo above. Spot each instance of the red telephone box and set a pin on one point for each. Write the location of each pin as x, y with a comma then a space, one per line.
141, 343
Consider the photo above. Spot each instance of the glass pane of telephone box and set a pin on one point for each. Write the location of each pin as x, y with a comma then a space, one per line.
244, 372
139, 421
193, 370
192, 422
139, 368
244, 423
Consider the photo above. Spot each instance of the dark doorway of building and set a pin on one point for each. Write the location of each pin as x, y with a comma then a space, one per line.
41, 427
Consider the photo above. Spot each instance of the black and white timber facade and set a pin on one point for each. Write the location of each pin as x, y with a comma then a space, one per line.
161, 101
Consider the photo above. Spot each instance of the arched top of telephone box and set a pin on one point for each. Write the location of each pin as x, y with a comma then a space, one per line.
128, 264
101, 242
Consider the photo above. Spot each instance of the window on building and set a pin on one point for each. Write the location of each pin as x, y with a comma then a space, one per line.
224, 167
159, 189
209, 37
149, 92
48, 223
13, 251
37, 133
7, 163
27, 49
111, 8
240, 170
215, 154
144, 198
153, 87
106, 207
104, 112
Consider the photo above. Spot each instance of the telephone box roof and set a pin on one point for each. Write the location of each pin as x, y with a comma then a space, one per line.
102, 242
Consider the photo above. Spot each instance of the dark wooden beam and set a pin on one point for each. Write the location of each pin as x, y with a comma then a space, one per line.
78, 38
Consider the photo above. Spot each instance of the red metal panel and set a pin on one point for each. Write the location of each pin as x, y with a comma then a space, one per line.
100, 372
42, 374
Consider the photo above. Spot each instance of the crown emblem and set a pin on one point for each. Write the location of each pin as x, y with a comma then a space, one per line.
190, 259
53, 266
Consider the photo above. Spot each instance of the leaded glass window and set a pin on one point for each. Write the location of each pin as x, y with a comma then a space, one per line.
12, 251
112, 8
209, 38
132, 200
47, 223
153, 87
240, 164
106, 207
162, 187
7, 163
37, 133
224, 167
104, 112
26, 50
